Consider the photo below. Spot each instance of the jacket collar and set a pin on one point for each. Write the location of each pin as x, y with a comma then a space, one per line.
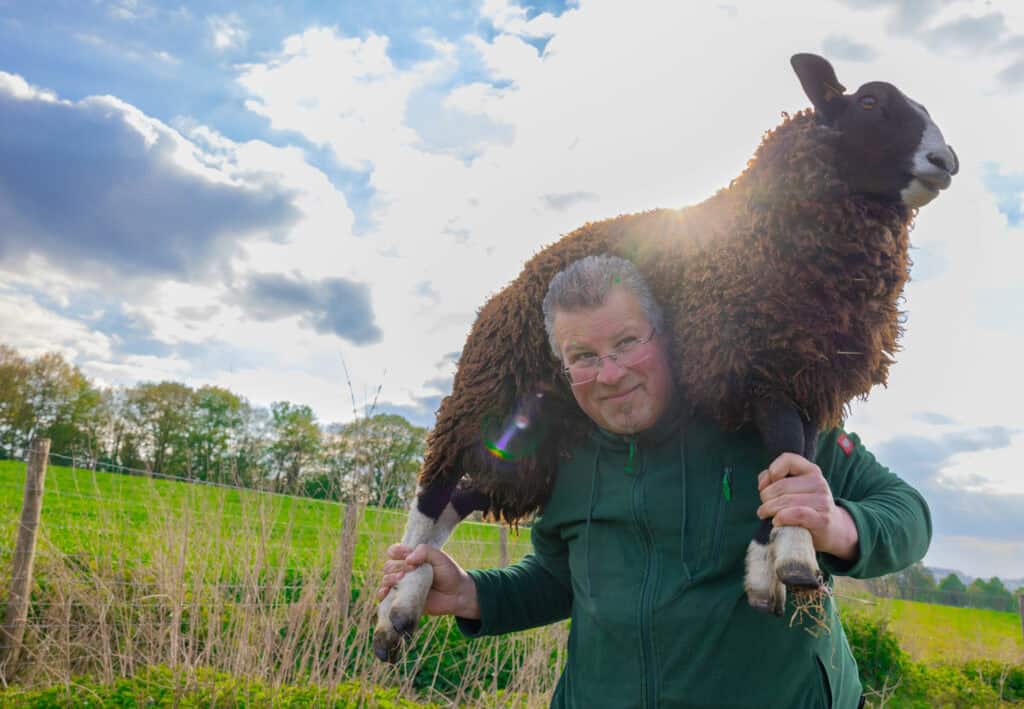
670, 423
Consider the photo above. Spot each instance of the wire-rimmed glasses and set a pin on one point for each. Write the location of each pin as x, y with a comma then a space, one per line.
630, 353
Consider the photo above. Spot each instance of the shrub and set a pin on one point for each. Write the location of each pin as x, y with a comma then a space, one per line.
880, 659
1007, 680
888, 673
164, 687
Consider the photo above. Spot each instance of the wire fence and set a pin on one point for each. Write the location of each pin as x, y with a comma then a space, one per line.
133, 568
137, 569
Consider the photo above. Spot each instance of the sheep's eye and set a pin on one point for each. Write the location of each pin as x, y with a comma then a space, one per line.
868, 102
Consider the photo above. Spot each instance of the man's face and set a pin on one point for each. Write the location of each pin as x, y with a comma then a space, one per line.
620, 399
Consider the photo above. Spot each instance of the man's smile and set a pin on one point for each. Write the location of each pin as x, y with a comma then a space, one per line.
623, 395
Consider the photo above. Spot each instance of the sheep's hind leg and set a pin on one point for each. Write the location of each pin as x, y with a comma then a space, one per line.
438, 509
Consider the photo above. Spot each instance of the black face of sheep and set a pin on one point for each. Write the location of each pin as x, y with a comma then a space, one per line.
889, 146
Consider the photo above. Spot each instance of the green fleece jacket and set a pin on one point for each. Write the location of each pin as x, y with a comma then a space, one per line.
642, 545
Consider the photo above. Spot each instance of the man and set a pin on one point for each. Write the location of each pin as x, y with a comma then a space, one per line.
643, 540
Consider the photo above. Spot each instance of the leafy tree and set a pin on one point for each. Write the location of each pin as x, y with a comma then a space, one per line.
13, 404
990, 594
376, 459
160, 414
916, 583
953, 591
251, 448
295, 442
217, 417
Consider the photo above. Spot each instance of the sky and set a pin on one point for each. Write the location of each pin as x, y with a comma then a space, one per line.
263, 198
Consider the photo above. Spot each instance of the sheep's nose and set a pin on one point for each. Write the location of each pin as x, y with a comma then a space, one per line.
947, 162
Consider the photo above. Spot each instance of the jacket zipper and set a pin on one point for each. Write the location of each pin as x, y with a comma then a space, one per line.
649, 687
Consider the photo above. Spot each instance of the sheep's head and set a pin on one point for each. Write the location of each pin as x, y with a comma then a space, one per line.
889, 147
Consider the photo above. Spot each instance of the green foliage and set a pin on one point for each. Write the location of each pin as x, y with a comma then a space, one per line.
879, 657
990, 594
375, 459
953, 591
208, 434
887, 671
163, 687
295, 442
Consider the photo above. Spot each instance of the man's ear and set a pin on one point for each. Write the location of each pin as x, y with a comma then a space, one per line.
820, 84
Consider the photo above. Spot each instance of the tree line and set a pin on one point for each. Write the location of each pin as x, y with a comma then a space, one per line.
207, 434
916, 583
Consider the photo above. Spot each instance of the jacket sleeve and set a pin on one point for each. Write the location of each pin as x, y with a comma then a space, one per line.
893, 522
535, 591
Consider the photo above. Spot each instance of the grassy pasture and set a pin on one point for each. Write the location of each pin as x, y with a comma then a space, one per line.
136, 572
124, 519
934, 633
133, 572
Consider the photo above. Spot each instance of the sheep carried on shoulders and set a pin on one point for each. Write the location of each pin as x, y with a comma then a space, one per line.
781, 295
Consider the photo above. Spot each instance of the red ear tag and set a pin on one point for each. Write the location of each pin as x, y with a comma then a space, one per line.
845, 443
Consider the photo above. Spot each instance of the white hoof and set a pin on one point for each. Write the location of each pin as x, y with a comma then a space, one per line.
764, 591
796, 564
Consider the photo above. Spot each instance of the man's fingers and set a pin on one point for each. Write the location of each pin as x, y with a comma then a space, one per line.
805, 517
802, 484
780, 504
398, 551
395, 566
421, 554
786, 465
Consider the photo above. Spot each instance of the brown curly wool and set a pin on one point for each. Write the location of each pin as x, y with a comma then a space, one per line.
782, 284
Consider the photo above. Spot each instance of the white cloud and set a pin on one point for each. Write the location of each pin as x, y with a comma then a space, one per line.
227, 31
342, 92
511, 18
34, 330
17, 87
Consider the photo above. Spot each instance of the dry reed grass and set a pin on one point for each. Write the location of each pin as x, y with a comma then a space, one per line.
205, 589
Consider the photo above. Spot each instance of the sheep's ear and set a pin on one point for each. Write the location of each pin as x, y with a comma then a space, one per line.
820, 84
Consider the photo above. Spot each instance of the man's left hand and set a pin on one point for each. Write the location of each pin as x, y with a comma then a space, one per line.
795, 493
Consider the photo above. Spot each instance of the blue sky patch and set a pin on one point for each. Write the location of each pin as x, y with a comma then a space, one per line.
1009, 191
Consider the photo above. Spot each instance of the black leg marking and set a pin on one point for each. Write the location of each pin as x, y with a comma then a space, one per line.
764, 530
432, 499
810, 440
467, 500
782, 430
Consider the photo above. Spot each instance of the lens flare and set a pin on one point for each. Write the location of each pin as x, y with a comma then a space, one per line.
516, 435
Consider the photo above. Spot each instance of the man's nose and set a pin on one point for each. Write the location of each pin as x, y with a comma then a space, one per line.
609, 371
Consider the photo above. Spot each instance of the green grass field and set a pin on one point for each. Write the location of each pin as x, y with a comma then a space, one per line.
133, 572
935, 633
130, 519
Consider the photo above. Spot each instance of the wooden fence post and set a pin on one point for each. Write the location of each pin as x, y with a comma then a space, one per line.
13, 629
503, 545
346, 555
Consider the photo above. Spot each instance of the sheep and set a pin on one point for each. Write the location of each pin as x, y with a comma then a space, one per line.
781, 292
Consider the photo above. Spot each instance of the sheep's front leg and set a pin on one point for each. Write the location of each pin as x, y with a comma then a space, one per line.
400, 611
781, 554
765, 591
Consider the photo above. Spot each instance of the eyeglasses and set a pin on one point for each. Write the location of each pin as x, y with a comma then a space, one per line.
629, 354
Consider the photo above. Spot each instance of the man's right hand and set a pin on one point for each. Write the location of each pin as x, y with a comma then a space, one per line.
452, 592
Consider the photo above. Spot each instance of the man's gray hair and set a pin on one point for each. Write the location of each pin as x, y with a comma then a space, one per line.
585, 284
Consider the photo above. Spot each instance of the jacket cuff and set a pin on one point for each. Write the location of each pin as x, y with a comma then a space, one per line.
835, 566
477, 628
